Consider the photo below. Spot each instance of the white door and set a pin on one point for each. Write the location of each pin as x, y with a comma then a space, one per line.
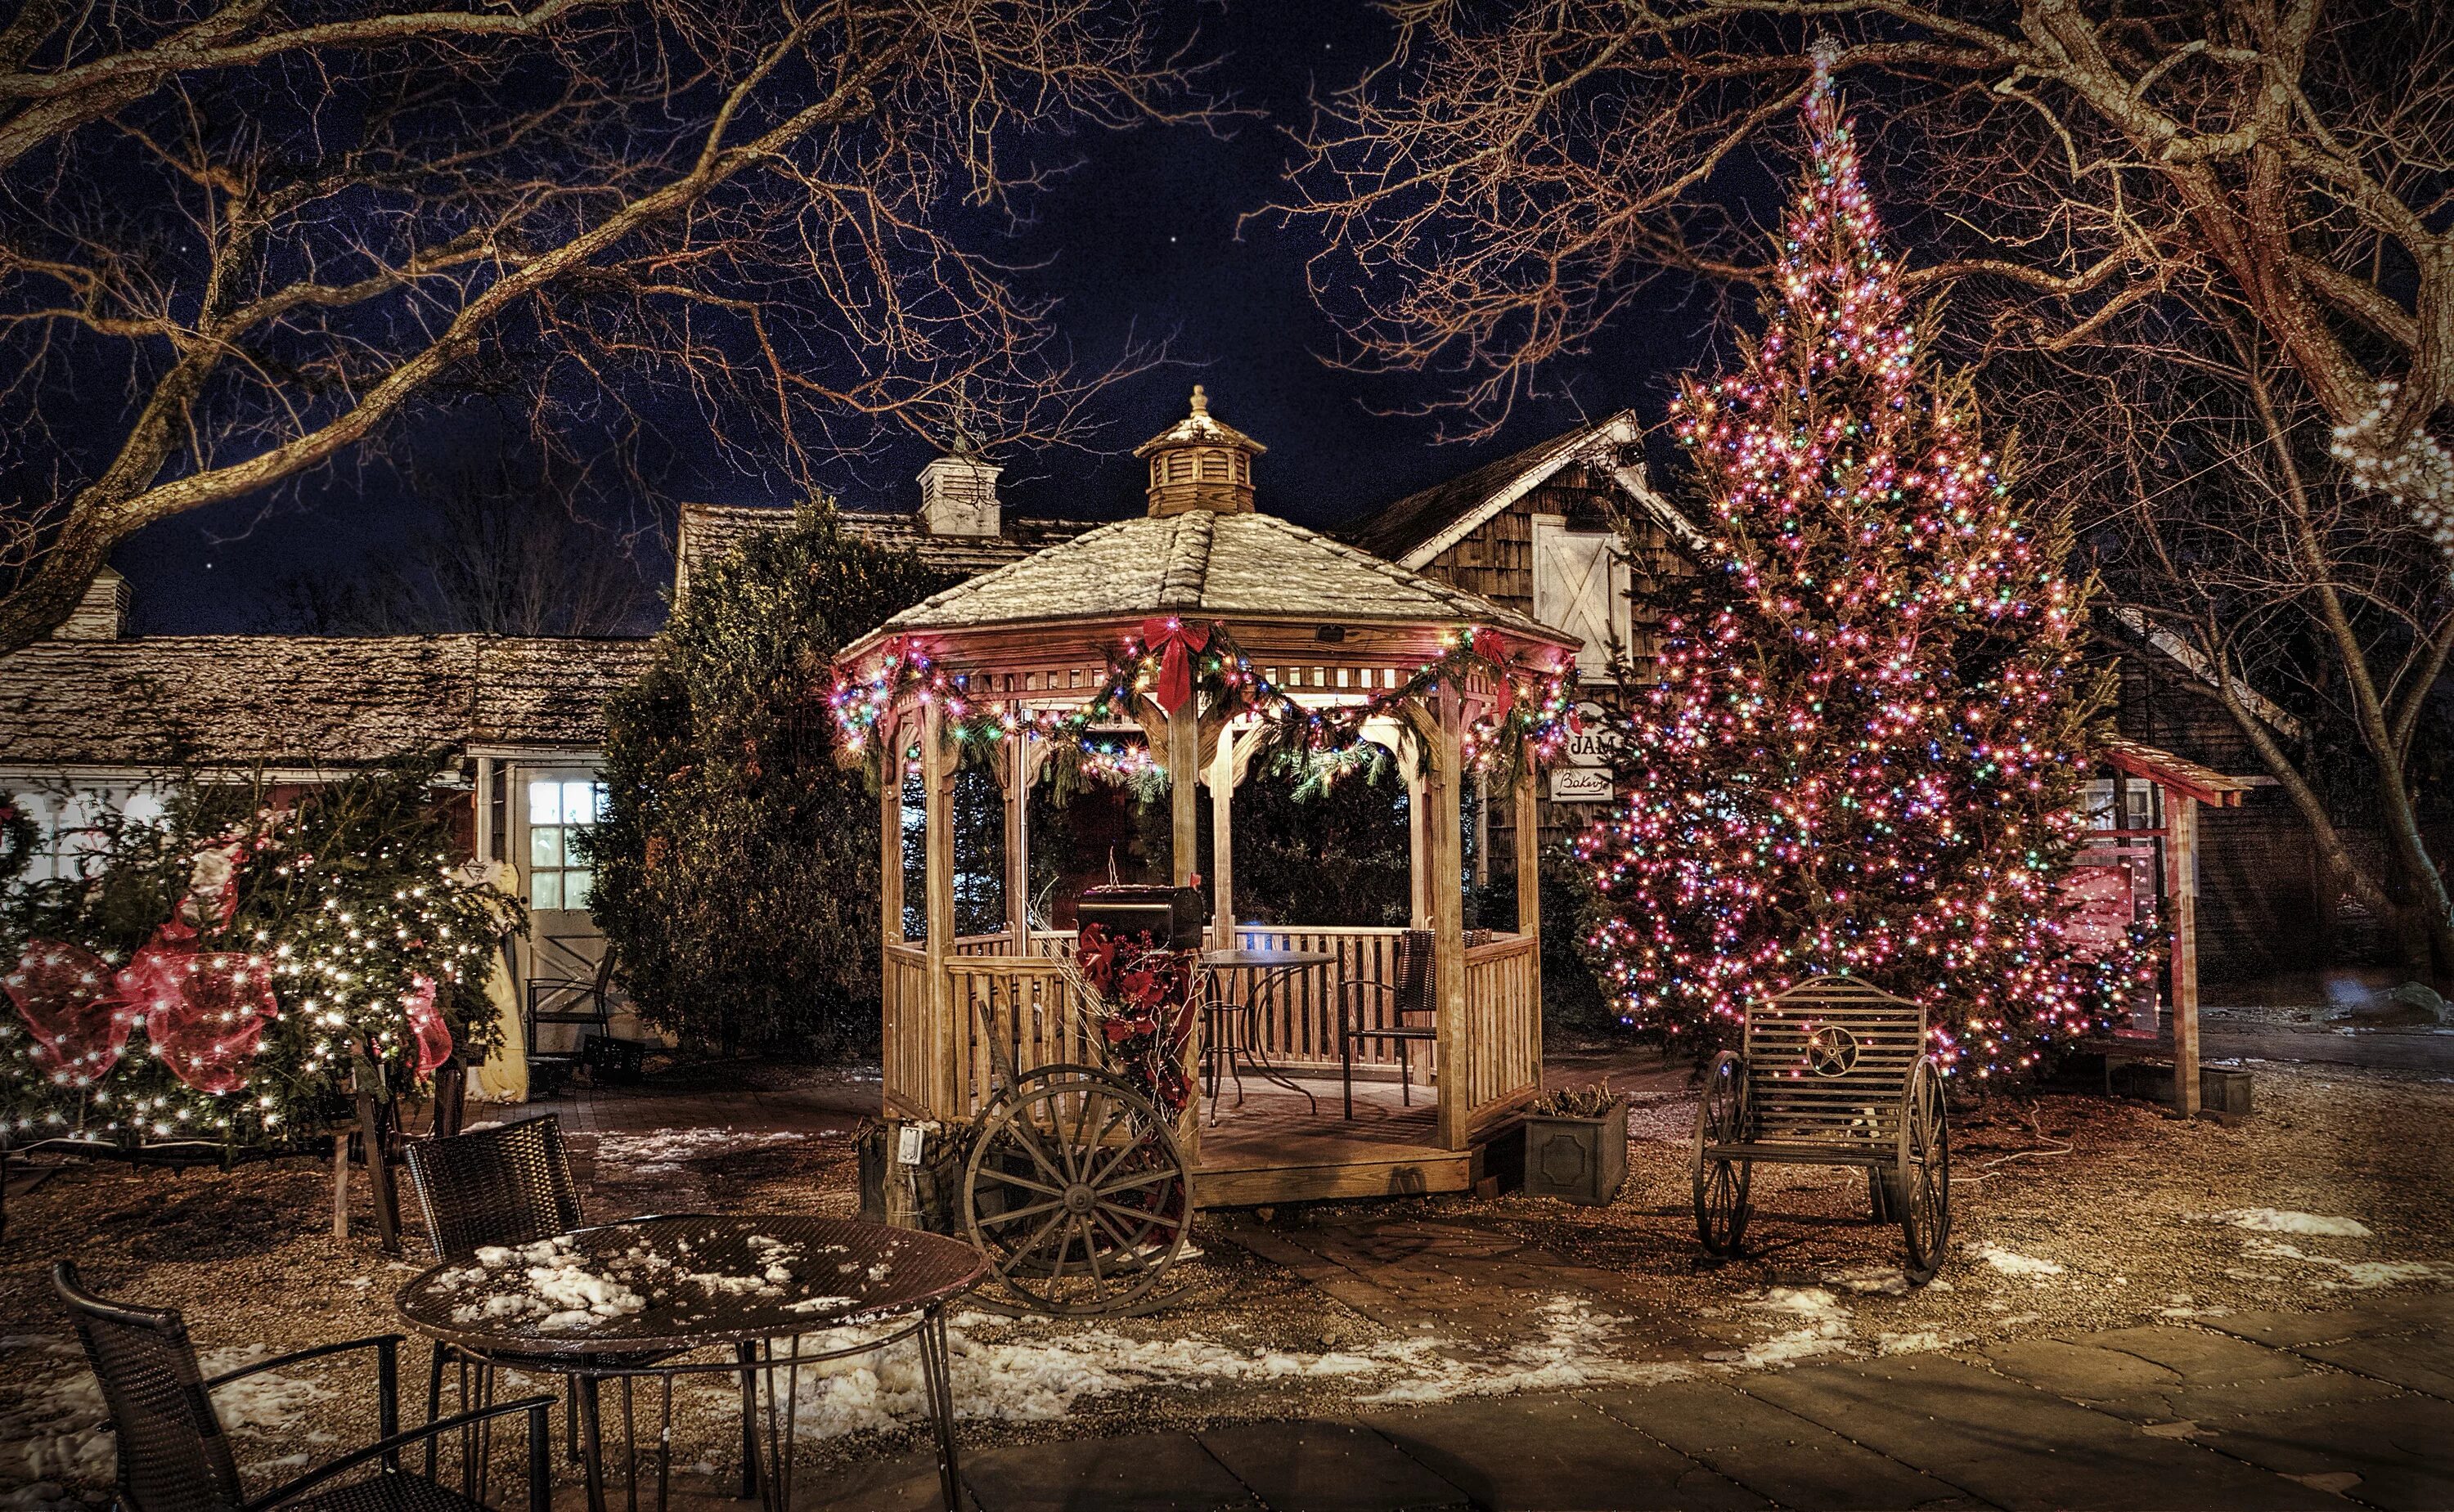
552, 808
1580, 585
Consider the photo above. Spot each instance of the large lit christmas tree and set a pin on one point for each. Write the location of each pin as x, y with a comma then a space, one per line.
1861, 756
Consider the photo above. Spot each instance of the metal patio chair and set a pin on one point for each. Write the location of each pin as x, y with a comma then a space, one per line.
1403, 1012
175, 1458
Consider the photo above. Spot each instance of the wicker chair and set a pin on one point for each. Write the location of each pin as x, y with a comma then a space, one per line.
1404, 1007
173, 1458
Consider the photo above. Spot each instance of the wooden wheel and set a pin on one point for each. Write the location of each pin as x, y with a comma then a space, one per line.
1921, 1190
1075, 1192
1721, 1182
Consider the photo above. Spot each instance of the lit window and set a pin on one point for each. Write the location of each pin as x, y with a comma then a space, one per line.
559, 809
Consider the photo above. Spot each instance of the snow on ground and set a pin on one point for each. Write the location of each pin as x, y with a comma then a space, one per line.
1808, 1321
2359, 1275
664, 1151
2011, 1263
1034, 1374
2279, 1220
61, 1429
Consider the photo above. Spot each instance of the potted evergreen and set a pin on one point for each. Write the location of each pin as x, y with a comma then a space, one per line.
1576, 1145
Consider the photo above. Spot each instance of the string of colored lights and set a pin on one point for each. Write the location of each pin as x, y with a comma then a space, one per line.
1532, 720
1861, 754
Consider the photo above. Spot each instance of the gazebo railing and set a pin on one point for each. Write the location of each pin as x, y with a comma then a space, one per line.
941, 1068
1504, 1029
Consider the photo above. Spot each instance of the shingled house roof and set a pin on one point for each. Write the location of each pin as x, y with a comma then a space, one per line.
1207, 562
301, 701
1419, 526
709, 531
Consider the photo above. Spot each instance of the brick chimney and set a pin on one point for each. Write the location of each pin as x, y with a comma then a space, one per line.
102, 614
959, 492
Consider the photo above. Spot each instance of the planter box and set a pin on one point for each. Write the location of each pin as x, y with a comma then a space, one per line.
1578, 1160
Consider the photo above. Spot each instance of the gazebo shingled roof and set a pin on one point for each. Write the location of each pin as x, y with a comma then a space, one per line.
1200, 562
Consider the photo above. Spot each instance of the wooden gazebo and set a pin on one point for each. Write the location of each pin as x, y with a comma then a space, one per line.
1211, 627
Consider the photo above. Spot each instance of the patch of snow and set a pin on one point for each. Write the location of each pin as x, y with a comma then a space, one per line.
60, 1428
2281, 1220
1883, 1281
1920, 1342
664, 1151
2359, 1275
2011, 1263
1817, 1325
1040, 1376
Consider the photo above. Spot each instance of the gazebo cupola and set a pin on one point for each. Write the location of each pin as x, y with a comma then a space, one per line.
1200, 463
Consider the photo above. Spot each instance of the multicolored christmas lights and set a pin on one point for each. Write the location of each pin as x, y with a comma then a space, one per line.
1863, 751
1531, 711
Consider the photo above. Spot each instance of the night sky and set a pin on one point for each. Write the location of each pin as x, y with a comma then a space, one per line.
1139, 238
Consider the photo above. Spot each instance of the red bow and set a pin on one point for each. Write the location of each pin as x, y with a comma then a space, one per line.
1488, 645
204, 1011
433, 1035
69, 1002
1176, 642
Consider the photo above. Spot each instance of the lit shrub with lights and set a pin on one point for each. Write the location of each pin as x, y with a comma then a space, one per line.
1866, 749
219, 974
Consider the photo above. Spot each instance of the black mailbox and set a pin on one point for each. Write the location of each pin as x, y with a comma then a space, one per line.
1173, 916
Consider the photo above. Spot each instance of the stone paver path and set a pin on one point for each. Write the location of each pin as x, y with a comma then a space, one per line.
2350, 1409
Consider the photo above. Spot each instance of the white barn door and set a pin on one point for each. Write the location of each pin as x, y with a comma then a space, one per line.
1580, 585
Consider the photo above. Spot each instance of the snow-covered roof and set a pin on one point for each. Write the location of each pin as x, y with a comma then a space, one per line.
300, 701
1204, 562
1419, 526
709, 531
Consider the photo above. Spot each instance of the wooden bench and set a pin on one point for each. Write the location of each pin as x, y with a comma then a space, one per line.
1831, 1072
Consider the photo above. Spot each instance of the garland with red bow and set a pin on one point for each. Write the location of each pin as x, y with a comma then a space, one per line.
1173, 659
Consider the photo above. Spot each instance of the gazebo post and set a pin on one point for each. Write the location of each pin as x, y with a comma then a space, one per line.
1444, 821
889, 830
1185, 787
1529, 880
937, 780
1419, 847
1019, 761
2182, 885
1222, 841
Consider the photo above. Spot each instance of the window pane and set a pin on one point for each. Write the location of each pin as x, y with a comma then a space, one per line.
545, 845
579, 803
545, 889
545, 802
576, 889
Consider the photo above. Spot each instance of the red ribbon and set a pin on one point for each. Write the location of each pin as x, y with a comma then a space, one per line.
434, 1037
66, 997
1488, 645
205, 1010
1176, 642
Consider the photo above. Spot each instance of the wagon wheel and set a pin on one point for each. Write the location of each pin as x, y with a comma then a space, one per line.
1075, 1192
1921, 1193
1721, 1185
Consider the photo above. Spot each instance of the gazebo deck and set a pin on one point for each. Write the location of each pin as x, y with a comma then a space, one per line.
1275, 1148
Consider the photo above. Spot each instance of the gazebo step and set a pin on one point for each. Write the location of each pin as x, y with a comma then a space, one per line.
1377, 1171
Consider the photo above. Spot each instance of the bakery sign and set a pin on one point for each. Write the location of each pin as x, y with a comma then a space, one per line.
1582, 775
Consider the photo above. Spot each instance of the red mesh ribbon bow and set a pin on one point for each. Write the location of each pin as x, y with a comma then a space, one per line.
433, 1037
1174, 642
204, 1011
66, 995
1488, 645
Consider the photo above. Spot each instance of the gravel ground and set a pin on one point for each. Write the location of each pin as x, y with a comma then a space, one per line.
2072, 1212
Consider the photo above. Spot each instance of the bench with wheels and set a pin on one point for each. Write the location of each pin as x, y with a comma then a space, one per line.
1831, 1072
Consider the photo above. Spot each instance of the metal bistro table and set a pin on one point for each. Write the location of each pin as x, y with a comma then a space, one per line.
1270, 970
749, 1287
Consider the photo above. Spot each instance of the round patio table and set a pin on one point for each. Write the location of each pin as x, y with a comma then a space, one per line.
750, 1286
1271, 971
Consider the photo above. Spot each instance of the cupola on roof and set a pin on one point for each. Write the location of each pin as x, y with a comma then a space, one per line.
1200, 463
